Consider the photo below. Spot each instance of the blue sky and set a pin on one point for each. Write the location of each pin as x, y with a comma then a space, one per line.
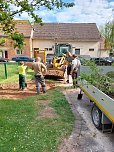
84, 11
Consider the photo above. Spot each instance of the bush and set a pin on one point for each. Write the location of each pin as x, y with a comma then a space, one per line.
110, 74
99, 80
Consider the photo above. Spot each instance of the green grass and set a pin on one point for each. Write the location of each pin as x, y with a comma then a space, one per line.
22, 130
12, 73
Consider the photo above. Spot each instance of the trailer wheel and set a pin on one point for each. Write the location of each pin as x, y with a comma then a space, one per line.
96, 115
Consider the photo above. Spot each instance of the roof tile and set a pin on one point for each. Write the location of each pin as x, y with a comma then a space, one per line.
22, 26
67, 31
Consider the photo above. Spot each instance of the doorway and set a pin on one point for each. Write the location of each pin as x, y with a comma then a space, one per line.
6, 54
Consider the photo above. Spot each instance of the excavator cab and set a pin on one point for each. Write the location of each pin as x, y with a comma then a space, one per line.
61, 49
60, 54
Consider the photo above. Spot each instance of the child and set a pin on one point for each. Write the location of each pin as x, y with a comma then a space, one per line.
22, 75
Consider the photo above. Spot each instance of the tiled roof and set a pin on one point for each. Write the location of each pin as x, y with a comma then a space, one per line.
67, 31
22, 26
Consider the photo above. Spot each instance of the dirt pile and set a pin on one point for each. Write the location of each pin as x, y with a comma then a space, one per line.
11, 91
55, 73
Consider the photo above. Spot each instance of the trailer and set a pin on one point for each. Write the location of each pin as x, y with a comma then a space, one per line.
102, 112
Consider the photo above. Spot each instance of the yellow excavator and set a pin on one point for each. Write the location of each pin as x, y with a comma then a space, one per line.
57, 66
59, 61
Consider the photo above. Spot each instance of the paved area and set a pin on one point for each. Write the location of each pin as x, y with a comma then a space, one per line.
85, 137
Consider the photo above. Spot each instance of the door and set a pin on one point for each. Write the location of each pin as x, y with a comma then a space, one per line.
6, 54
36, 53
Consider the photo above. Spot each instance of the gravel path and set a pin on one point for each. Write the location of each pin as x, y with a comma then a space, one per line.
85, 137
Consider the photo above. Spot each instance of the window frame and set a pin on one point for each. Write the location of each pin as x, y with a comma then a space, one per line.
77, 49
91, 49
20, 51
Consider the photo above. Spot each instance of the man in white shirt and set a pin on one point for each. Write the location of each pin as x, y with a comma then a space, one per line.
74, 69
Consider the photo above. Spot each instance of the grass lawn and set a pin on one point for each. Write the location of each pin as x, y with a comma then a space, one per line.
12, 73
23, 129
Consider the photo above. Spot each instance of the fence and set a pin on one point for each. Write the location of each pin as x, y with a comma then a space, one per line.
8, 69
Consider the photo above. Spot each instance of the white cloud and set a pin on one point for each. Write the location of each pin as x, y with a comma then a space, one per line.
25, 15
84, 11
46, 15
97, 11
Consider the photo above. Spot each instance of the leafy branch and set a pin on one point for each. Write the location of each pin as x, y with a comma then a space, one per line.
99, 80
2, 41
107, 32
10, 8
18, 40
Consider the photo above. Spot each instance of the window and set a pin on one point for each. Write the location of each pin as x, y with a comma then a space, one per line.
46, 49
91, 49
77, 51
50, 49
36, 49
1, 53
6, 54
19, 51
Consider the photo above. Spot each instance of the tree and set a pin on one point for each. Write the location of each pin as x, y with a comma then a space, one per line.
2, 41
108, 33
7, 13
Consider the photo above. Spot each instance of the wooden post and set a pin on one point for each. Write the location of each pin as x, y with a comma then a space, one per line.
5, 67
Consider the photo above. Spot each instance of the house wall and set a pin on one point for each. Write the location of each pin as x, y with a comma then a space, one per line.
30, 40
83, 46
12, 52
8, 46
104, 53
27, 47
42, 44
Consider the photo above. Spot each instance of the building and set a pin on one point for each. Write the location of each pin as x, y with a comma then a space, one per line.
7, 50
84, 38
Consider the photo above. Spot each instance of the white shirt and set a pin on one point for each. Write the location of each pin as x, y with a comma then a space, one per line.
75, 64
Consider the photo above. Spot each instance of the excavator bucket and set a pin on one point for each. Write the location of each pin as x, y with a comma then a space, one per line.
55, 72
58, 67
